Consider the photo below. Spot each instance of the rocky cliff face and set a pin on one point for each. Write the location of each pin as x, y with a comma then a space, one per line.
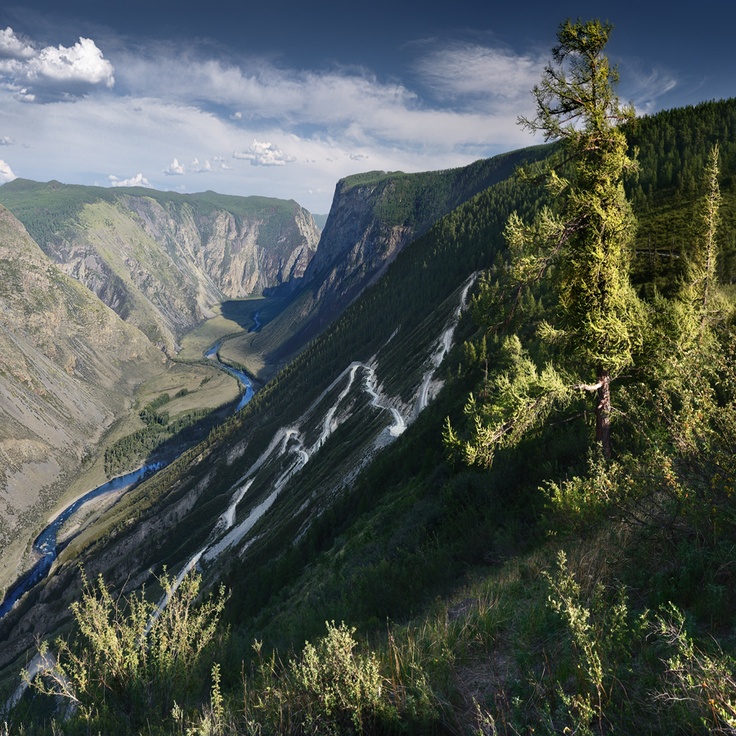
162, 260
373, 217
68, 364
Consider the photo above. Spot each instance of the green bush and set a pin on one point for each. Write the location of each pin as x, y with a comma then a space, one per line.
133, 660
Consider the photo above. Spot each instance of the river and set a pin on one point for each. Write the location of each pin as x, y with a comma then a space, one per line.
45, 545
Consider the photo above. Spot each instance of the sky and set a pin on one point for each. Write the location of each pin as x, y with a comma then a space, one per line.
282, 99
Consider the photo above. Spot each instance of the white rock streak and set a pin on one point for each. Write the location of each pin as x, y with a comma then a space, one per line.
445, 343
399, 425
288, 441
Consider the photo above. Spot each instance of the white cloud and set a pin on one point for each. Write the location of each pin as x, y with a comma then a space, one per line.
174, 168
462, 108
264, 154
197, 167
6, 173
135, 181
53, 72
644, 88
474, 71
13, 47
324, 125
6, 141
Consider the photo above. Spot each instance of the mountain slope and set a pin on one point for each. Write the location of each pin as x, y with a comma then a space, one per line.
161, 260
68, 366
309, 519
374, 216
300, 443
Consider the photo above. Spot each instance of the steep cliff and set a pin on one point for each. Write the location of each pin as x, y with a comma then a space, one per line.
162, 260
68, 365
373, 217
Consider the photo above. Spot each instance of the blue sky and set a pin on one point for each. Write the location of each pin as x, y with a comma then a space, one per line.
282, 99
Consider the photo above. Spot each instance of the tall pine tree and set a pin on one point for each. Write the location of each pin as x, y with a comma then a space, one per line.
584, 246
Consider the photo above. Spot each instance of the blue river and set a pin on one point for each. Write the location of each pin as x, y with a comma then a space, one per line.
45, 544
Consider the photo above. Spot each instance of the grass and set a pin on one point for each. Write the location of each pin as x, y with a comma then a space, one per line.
230, 325
219, 327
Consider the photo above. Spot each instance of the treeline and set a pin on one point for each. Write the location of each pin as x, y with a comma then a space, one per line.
160, 435
673, 148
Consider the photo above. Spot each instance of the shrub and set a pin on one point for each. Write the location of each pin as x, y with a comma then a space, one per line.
132, 659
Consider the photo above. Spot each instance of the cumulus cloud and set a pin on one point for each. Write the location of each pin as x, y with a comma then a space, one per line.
135, 181
200, 167
174, 168
263, 153
54, 72
6, 173
195, 167
13, 47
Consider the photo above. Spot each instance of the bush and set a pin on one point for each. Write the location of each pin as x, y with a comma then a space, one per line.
132, 660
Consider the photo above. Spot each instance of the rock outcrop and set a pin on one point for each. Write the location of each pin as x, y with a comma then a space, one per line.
161, 260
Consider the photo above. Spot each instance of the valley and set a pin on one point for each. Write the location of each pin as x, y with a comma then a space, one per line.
418, 459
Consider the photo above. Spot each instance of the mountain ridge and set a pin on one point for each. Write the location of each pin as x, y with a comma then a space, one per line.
163, 260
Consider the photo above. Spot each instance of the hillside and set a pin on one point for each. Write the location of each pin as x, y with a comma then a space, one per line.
162, 260
372, 218
68, 366
548, 591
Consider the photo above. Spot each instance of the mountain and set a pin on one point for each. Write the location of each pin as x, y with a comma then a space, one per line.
373, 217
68, 366
162, 260
299, 445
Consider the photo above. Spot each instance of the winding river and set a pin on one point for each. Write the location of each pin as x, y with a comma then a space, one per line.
45, 545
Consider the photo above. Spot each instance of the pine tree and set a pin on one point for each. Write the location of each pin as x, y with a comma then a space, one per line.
584, 245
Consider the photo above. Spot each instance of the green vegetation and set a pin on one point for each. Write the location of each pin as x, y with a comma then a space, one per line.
48, 209
162, 435
130, 660
555, 590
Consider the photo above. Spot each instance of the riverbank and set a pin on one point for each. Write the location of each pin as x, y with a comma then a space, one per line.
191, 387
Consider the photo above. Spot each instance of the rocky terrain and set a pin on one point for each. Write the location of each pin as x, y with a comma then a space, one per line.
68, 365
162, 260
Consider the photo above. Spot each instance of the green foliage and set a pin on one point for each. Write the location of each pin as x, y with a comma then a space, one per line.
597, 632
700, 687
339, 689
130, 660
516, 399
594, 321
159, 437
588, 241
330, 688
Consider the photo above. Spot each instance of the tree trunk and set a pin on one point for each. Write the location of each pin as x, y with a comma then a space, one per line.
603, 413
